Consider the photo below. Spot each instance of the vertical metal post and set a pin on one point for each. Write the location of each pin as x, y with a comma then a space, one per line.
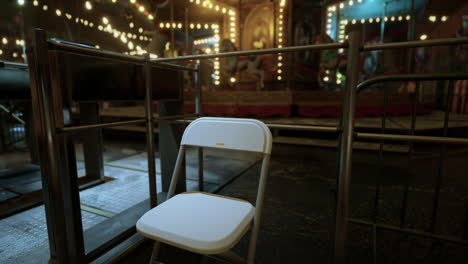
150, 134
410, 37
187, 28
346, 145
290, 56
172, 30
382, 23
60, 191
377, 178
443, 154
92, 141
198, 110
404, 206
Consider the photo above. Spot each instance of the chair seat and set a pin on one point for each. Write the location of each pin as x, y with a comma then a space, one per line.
199, 222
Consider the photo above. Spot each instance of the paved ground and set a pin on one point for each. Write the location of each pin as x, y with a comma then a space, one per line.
298, 210
299, 207
25, 234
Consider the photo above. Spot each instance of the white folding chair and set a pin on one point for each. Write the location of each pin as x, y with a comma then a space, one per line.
207, 223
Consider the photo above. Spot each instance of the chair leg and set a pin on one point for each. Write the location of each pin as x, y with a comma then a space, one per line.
154, 254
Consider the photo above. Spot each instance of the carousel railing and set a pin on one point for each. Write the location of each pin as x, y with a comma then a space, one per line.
345, 129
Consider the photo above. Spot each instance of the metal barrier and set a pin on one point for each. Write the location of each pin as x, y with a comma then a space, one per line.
345, 129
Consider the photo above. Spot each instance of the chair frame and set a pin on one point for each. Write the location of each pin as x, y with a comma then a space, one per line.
229, 255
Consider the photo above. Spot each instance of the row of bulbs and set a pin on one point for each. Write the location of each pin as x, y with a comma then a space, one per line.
279, 65
18, 42
224, 10
14, 54
142, 9
206, 40
105, 20
232, 31
342, 5
179, 25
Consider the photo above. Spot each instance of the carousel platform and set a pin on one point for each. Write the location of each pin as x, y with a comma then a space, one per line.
430, 124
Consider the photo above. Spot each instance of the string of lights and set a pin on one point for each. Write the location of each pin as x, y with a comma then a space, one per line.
281, 36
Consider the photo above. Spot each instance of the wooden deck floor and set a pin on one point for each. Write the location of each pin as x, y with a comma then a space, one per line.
435, 120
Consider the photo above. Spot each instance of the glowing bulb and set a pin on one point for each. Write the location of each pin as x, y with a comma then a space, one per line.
45, 7
35, 3
280, 71
377, 20
140, 30
198, 26
338, 81
341, 5
371, 20
131, 25
20, 2
223, 10
385, 19
5, 41
363, 21
232, 79
105, 20
1, 52
444, 18
432, 18
88, 5
141, 9
130, 45
179, 25
326, 79
192, 26
58, 12
353, 21
279, 78
400, 18
161, 25
408, 17
123, 38
393, 18
351, 3
132, 1
423, 37
15, 54
168, 25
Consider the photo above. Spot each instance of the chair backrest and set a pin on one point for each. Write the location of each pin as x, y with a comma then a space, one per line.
229, 133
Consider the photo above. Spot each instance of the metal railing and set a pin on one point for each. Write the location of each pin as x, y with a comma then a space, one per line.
345, 129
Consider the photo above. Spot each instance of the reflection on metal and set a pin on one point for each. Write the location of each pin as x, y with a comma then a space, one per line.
2, 107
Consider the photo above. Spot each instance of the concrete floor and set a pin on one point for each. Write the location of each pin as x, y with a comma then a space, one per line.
298, 210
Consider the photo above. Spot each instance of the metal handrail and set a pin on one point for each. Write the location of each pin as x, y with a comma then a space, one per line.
412, 77
410, 138
102, 125
255, 52
416, 44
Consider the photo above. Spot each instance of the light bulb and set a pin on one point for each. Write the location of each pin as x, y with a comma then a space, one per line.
88, 5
